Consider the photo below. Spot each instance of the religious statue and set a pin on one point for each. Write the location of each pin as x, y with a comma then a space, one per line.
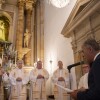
2, 34
1, 3
27, 36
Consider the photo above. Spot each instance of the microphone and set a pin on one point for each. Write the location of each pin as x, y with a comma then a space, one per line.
73, 65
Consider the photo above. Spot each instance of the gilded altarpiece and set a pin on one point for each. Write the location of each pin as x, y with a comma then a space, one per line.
25, 15
30, 18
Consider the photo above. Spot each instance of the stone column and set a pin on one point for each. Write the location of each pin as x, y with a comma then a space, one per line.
33, 35
40, 29
29, 7
20, 26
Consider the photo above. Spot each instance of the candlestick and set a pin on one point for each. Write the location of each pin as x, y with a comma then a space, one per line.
2, 57
15, 57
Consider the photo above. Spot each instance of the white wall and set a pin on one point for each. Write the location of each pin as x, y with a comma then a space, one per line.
56, 47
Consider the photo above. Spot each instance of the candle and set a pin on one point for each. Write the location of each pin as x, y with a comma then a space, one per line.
10, 63
50, 57
38, 59
10, 47
15, 57
34, 64
2, 57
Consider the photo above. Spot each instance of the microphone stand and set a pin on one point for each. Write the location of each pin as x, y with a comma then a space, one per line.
69, 71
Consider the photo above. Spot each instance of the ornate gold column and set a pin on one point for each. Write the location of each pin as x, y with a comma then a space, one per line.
20, 29
33, 34
20, 26
29, 7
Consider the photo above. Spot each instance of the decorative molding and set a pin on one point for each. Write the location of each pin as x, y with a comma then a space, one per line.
8, 14
21, 3
1, 3
90, 6
29, 4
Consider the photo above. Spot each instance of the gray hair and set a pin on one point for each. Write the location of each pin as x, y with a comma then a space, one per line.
92, 42
20, 61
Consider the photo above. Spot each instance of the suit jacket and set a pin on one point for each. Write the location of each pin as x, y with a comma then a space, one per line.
93, 93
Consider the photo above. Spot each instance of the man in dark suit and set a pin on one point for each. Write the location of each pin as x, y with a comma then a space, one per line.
91, 52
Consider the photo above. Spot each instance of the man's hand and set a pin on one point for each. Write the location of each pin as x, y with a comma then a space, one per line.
8, 73
74, 94
40, 76
82, 89
19, 79
61, 79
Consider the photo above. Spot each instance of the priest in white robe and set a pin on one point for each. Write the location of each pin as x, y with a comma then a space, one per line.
61, 77
38, 78
83, 83
19, 78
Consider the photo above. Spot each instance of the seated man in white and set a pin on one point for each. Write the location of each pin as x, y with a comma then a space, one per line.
83, 83
19, 78
61, 77
38, 78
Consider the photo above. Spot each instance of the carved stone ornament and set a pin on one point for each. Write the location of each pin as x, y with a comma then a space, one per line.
29, 4
22, 52
1, 3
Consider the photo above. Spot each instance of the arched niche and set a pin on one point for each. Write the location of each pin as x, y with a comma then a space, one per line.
4, 28
6, 22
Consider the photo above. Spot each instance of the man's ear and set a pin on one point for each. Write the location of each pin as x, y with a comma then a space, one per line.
91, 49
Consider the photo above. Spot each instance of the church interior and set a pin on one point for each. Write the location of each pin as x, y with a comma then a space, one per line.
47, 31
